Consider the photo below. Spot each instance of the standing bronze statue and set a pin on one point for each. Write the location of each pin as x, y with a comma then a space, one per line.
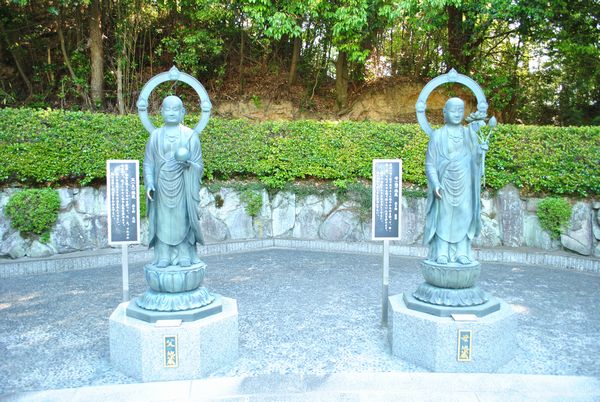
173, 169
453, 166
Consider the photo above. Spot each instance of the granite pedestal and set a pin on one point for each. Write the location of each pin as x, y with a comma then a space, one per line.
432, 342
153, 352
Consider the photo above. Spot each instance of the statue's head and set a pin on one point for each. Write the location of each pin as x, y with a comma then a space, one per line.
172, 110
454, 111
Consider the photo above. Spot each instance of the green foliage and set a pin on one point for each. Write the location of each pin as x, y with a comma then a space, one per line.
543, 159
34, 211
143, 202
554, 214
360, 194
414, 193
539, 61
253, 200
256, 101
41, 147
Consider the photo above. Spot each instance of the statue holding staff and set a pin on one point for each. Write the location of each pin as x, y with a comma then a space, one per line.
453, 166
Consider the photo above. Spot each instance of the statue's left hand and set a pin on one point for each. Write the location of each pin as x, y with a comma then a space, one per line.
484, 147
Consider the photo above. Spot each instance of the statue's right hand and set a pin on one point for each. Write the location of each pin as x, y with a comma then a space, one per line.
150, 190
438, 192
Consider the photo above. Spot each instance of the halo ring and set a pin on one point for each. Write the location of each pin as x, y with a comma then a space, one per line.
173, 75
451, 76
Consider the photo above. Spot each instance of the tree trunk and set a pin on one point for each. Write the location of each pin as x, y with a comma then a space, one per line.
120, 98
455, 43
22, 72
96, 54
13, 52
241, 68
295, 57
460, 45
63, 49
341, 81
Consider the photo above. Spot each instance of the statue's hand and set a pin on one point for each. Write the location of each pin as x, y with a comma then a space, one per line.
484, 147
438, 192
184, 164
149, 191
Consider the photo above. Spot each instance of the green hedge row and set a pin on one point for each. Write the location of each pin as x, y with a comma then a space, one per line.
40, 147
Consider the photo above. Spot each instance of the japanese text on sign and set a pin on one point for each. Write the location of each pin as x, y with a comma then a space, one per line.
387, 198
122, 177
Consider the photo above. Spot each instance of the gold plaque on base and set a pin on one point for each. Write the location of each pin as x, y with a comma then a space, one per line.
171, 353
465, 345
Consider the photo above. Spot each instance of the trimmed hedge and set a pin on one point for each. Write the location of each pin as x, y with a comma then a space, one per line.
41, 147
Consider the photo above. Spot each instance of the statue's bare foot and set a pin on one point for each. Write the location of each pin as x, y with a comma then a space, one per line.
185, 262
464, 260
442, 259
163, 263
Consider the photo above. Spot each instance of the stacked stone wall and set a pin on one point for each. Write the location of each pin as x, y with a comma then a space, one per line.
509, 220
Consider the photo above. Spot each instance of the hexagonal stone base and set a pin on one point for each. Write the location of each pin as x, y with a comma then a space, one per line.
151, 352
432, 342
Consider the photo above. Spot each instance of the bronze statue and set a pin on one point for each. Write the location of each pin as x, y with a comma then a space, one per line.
173, 169
454, 167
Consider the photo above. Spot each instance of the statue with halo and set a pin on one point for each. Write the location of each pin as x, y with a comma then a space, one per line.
454, 165
173, 170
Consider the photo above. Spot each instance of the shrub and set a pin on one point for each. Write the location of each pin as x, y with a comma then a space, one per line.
143, 202
47, 147
253, 200
554, 214
34, 211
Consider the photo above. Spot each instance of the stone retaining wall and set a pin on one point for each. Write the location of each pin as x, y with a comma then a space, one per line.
508, 221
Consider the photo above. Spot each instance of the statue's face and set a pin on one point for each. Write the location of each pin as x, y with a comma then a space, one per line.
172, 110
454, 111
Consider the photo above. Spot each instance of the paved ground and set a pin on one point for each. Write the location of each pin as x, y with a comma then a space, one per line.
301, 313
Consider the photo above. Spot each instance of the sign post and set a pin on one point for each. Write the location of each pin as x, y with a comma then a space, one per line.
386, 216
123, 206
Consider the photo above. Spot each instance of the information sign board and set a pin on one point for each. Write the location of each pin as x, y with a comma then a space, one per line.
123, 201
387, 199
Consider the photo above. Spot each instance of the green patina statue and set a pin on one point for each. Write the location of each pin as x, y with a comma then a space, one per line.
173, 169
454, 167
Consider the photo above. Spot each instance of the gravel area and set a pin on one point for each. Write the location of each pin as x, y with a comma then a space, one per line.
300, 312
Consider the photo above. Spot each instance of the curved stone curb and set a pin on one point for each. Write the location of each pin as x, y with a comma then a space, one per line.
140, 255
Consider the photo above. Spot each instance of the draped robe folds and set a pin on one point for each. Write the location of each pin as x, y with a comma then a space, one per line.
172, 215
457, 214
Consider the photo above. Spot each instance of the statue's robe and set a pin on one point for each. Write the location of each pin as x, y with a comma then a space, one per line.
172, 215
457, 214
